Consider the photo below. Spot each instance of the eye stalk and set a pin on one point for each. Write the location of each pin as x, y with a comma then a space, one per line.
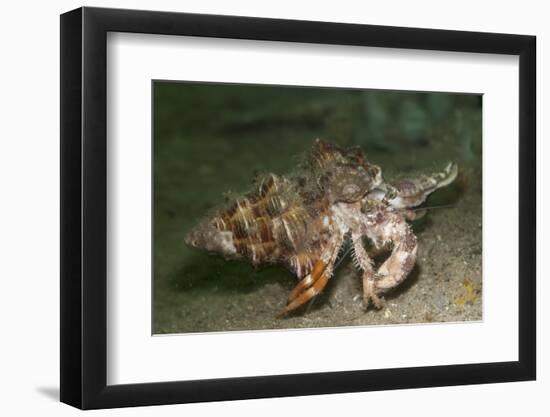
376, 174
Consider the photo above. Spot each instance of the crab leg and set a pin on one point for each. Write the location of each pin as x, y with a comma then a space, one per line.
308, 280
364, 262
398, 265
412, 192
314, 282
306, 295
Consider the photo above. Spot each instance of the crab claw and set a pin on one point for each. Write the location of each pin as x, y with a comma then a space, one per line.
411, 192
308, 280
306, 295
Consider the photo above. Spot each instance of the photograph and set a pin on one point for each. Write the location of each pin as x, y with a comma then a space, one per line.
301, 207
289, 205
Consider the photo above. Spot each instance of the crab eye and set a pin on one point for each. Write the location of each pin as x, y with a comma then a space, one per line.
375, 174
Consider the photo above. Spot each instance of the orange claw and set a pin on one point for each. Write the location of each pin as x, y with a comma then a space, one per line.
305, 296
308, 280
303, 285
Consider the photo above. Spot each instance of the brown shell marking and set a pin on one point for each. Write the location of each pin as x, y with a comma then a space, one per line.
324, 153
270, 225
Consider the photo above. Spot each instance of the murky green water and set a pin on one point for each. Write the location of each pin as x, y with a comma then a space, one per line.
211, 140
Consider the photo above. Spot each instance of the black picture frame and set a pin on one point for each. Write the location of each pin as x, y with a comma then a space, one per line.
84, 207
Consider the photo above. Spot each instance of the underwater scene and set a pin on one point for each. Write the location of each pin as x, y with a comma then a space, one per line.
278, 207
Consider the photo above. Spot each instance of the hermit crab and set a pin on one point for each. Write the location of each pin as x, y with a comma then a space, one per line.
304, 219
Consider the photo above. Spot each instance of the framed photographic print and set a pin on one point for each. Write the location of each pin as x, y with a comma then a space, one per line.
258, 207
